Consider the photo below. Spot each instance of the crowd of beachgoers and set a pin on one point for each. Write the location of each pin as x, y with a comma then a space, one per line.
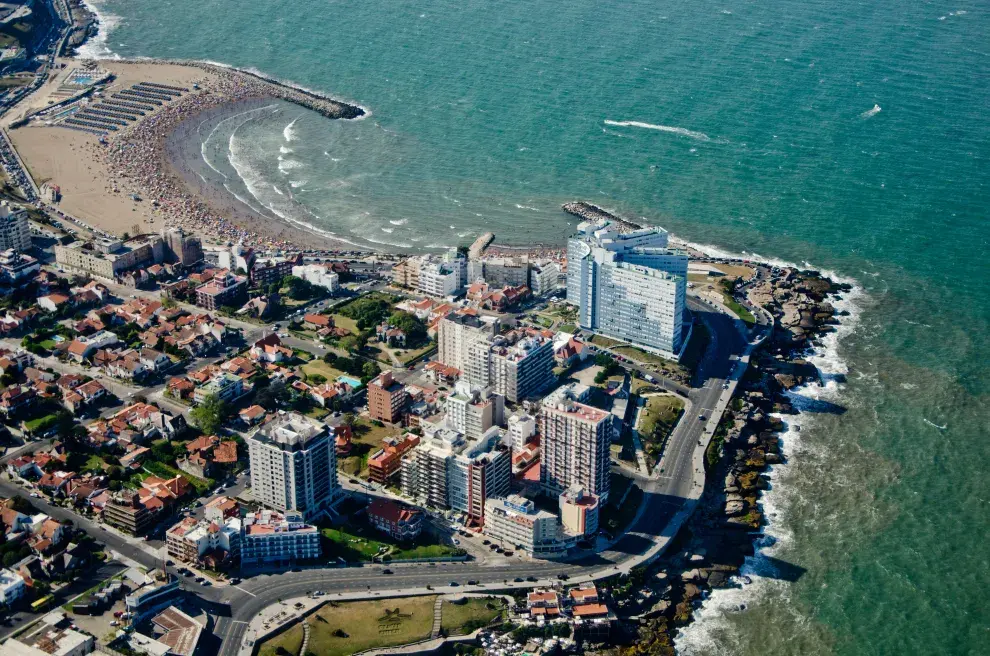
137, 164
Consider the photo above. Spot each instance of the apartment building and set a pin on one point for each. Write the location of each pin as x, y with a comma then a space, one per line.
193, 540
544, 278
126, 512
629, 286
523, 369
447, 470
579, 512
575, 440
110, 258
182, 248
15, 231
224, 289
385, 463
457, 332
321, 275
16, 268
472, 411
387, 398
515, 521
272, 538
294, 465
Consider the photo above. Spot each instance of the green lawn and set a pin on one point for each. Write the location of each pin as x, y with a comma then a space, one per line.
743, 313
317, 366
48, 344
660, 414
366, 432
567, 328
363, 625
94, 463
469, 614
289, 640
348, 324
407, 357
362, 543
604, 342
200, 485
34, 424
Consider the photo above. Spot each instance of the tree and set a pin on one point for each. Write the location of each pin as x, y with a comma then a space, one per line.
210, 414
408, 323
369, 370
316, 379
348, 419
10, 558
269, 397
603, 359
330, 357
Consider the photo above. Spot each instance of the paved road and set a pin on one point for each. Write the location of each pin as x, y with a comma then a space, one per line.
668, 493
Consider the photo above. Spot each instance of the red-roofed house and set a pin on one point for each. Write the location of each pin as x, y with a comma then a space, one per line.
397, 520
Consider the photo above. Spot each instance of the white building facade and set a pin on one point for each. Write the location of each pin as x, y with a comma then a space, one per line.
629, 286
294, 465
319, 275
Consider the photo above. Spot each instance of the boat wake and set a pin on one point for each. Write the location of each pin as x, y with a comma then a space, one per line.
684, 132
871, 112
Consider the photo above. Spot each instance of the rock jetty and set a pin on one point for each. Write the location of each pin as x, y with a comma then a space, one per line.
589, 212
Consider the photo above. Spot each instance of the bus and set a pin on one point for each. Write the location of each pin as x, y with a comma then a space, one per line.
42, 604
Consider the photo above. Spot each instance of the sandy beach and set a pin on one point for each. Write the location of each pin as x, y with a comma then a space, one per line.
147, 176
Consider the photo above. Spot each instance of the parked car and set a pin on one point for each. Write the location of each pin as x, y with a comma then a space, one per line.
386, 571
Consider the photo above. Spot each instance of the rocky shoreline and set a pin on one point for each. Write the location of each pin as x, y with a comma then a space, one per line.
590, 212
714, 544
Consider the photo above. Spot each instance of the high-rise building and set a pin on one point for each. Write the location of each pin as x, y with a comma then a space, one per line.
517, 365
442, 276
629, 286
544, 278
387, 398
182, 248
575, 440
456, 333
293, 465
447, 470
472, 411
521, 428
15, 232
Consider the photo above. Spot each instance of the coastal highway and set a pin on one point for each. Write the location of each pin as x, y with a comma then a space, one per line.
666, 494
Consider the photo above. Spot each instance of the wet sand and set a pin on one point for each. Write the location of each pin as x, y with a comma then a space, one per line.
157, 158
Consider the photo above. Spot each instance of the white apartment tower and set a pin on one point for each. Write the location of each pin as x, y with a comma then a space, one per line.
294, 465
14, 229
517, 369
457, 332
629, 286
575, 441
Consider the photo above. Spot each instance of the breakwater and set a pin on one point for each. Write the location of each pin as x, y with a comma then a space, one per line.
590, 212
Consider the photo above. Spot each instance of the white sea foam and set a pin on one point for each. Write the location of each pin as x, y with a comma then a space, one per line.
286, 165
289, 132
399, 221
701, 136
388, 230
96, 46
202, 146
707, 634
295, 184
934, 425
527, 207
284, 150
871, 112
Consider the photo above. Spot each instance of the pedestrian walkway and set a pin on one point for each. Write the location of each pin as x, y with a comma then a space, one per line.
437, 617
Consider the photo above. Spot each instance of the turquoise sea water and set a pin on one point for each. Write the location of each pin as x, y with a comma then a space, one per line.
752, 126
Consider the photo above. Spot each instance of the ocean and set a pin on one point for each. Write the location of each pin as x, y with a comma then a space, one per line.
850, 137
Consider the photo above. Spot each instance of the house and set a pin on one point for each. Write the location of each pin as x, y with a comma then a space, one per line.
181, 387
390, 335
154, 360
205, 453
252, 415
239, 366
24, 467
133, 458
318, 321
269, 349
83, 347
342, 436
396, 520
53, 302
54, 483
128, 366
543, 604
15, 399
570, 353
86, 394
441, 374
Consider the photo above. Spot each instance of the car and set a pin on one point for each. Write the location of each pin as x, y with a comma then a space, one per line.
518, 579
207, 584
169, 563
510, 553
454, 584
532, 579
115, 623
472, 582
235, 581
199, 579
563, 577
386, 571
701, 417
486, 542
35, 495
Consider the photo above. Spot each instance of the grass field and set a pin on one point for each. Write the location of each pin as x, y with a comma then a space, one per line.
342, 629
567, 328
660, 414
317, 366
743, 313
350, 325
604, 342
361, 544
471, 614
